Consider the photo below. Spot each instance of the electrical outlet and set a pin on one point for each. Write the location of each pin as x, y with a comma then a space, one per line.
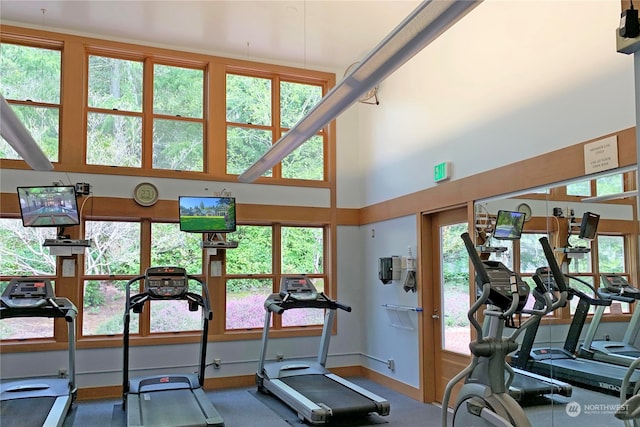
391, 364
216, 363
62, 373
280, 357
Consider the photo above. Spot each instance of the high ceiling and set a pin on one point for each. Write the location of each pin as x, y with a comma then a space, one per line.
327, 34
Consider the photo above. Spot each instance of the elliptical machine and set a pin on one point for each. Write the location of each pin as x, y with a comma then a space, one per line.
484, 399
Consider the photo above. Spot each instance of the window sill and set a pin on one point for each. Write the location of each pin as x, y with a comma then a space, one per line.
30, 345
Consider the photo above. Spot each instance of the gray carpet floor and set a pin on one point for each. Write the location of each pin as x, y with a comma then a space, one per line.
245, 407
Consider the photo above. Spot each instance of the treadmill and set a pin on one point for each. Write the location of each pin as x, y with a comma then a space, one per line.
41, 402
616, 288
562, 363
317, 395
175, 399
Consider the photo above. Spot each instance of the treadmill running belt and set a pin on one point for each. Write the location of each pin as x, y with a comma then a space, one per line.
28, 412
169, 408
342, 400
526, 387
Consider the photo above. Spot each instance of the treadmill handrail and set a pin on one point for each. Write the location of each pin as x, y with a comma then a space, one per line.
604, 294
276, 304
136, 302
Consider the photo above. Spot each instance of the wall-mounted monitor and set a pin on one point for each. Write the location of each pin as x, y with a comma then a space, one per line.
589, 226
48, 206
205, 214
508, 225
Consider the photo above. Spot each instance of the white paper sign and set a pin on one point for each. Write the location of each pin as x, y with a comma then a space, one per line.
601, 155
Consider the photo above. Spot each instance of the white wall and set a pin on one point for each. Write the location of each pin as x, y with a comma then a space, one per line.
382, 340
486, 94
510, 81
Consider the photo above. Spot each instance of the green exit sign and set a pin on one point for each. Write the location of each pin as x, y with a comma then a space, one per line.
441, 172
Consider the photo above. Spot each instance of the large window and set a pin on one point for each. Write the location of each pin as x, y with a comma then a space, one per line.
113, 257
251, 277
22, 254
251, 131
125, 109
30, 82
114, 117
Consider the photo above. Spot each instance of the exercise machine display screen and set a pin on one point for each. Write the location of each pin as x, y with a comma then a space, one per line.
298, 287
166, 282
501, 280
27, 292
616, 283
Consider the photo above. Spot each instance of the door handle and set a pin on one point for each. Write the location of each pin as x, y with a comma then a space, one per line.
435, 316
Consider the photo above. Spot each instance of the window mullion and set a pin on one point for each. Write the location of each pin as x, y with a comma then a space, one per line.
147, 115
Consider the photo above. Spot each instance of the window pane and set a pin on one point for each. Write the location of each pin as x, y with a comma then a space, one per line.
104, 304
505, 257
115, 249
244, 147
30, 73
580, 262
254, 252
305, 316
245, 302
114, 140
174, 315
178, 91
531, 253
611, 254
171, 247
302, 250
610, 184
575, 282
25, 327
579, 189
42, 124
21, 250
306, 161
296, 100
177, 145
248, 100
115, 84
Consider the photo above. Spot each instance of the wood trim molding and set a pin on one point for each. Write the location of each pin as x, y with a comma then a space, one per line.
545, 169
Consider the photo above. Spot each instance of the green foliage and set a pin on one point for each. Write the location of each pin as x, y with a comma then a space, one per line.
178, 145
302, 250
178, 91
296, 100
115, 250
254, 252
248, 100
115, 84
21, 250
171, 247
19, 65
93, 295
245, 146
303, 163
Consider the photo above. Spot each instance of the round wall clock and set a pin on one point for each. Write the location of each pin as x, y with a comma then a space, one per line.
145, 194
526, 210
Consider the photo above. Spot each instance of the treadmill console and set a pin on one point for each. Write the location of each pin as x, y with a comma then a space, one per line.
26, 292
299, 288
617, 284
166, 282
501, 279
